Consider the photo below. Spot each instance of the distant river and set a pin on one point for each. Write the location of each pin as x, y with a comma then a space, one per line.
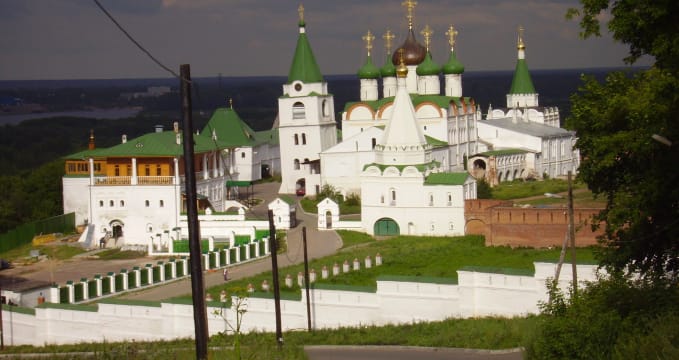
117, 113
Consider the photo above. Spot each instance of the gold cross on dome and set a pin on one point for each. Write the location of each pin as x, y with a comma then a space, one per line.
410, 6
388, 37
300, 10
452, 34
427, 32
368, 38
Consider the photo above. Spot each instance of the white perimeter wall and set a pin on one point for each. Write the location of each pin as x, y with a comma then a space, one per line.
476, 294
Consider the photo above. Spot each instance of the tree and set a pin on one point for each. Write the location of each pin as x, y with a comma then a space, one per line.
616, 123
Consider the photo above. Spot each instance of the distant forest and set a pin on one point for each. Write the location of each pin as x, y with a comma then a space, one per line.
31, 151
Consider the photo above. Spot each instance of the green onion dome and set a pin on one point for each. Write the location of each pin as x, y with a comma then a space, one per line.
369, 70
453, 66
388, 70
428, 67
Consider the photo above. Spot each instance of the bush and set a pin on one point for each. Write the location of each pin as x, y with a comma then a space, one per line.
483, 189
603, 319
353, 199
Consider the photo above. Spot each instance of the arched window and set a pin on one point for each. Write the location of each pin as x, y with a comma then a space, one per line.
147, 203
162, 203
392, 191
431, 199
298, 111
296, 139
110, 203
374, 142
122, 203
296, 167
242, 155
101, 203
303, 139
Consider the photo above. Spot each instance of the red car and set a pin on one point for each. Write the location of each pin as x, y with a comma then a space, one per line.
300, 191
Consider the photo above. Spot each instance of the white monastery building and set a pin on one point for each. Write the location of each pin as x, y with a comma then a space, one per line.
413, 145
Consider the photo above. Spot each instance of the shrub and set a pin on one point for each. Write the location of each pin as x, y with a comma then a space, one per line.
602, 319
483, 190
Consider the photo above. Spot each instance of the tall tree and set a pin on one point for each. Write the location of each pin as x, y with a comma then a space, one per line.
628, 137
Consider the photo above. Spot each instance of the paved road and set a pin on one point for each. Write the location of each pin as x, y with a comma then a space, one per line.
319, 244
406, 353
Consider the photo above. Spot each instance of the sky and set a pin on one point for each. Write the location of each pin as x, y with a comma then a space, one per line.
73, 39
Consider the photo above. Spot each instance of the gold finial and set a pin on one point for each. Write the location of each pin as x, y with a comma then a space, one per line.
388, 37
452, 34
231, 103
368, 38
410, 6
427, 32
521, 45
300, 10
401, 69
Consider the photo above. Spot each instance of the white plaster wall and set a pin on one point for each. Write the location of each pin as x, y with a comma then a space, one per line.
75, 191
135, 215
476, 294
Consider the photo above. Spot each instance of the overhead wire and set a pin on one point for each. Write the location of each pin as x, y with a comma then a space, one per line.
195, 86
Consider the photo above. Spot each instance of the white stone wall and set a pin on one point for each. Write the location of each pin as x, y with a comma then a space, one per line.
477, 294
75, 190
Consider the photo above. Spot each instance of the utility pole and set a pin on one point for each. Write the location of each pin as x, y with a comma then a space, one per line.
197, 287
571, 232
306, 280
273, 247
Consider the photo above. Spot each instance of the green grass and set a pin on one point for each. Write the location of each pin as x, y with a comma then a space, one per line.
436, 257
117, 254
582, 198
54, 251
479, 333
521, 189
309, 205
354, 238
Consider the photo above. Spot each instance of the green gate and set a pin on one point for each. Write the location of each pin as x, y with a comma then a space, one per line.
386, 227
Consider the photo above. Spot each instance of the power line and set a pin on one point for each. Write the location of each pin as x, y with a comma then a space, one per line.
135, 41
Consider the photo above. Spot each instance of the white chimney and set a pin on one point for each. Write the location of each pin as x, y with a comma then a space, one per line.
124, 138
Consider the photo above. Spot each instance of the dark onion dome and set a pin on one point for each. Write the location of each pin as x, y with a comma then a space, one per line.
369, 70
428, 67
453, 66
413, 52
388, 70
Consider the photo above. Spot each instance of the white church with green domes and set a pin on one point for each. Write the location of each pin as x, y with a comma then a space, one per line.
412, 145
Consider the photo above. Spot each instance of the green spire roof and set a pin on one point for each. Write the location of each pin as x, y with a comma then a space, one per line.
453, 66
522, 83
304, 67
369, 70
388, 69
428, 66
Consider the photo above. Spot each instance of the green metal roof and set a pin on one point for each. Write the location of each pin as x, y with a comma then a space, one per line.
446, 178
230, 129
236, 183
369, 70
503, 152
304, 67
421, 167
522, 83
151, 144
428, 66
453, 66
434, 142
